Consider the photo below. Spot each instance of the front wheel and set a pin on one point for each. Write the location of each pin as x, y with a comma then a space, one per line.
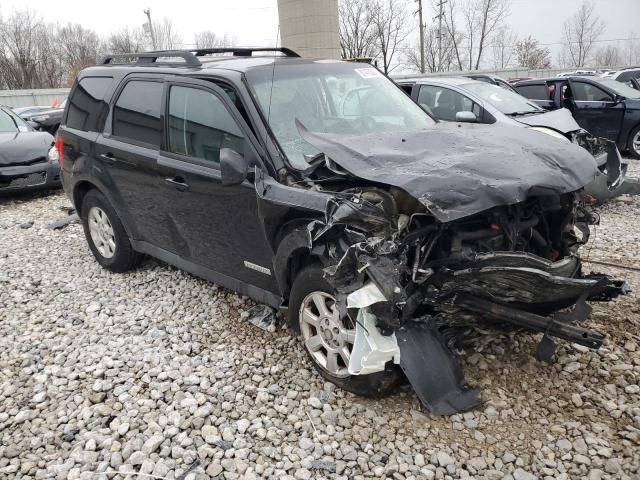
328, 337
634, 143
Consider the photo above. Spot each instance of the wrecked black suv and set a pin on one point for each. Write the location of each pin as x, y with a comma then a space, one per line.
388, 238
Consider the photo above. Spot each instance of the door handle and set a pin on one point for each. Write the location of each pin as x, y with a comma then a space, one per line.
109, 157
177, 182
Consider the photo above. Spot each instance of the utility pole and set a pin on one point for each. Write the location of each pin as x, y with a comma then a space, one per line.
147, 12
421, 35
440, 16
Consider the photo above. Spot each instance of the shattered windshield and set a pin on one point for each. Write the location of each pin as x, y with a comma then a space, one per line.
330, 98
507, 102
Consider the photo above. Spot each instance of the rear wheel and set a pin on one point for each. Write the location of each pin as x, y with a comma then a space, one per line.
634, 143
328, 337
106, 235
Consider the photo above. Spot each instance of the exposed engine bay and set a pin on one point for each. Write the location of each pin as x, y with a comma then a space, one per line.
441, 284
430, 242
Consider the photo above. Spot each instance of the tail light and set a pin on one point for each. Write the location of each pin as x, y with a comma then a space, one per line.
59, 145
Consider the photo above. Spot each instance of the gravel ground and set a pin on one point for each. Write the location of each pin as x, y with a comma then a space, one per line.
156, 372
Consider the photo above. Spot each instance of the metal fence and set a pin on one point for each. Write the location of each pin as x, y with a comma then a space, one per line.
29, 98
507, 73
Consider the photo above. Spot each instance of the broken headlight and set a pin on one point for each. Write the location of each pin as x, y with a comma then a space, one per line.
551, 132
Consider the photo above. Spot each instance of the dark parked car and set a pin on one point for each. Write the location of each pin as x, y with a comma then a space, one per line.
22, 111
320, 188
626, 74
25, 163
604, 107
46, 120
461, 99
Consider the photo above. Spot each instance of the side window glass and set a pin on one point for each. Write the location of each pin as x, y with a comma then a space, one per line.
428, 95
87, 107
445, 103
533, 92
136, 115
585, 92
200, 125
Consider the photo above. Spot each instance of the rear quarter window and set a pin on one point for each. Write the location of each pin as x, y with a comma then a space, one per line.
87, 107
533, 92
136, 114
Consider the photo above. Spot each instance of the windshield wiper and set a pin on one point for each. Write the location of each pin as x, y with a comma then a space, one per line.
517, 114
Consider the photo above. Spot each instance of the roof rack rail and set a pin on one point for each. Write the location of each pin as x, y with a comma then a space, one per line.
151, 58
244, 51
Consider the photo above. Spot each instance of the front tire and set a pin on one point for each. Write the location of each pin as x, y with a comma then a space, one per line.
106, 235
634, 143
328, 339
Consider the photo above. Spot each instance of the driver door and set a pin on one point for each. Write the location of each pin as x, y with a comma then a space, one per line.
595, 110
214, 226
444, 103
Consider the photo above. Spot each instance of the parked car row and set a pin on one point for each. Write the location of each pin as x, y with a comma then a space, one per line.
321, 189
460, 99
605, 107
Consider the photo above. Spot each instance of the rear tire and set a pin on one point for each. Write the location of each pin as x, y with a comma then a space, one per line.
309, 289
634, 143
106, 235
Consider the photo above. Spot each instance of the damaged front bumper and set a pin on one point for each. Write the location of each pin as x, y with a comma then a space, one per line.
414, 309
489, 293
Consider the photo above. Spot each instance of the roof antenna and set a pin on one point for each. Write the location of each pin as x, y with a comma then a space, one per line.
273, 74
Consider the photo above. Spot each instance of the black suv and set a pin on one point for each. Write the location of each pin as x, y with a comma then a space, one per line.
318, 187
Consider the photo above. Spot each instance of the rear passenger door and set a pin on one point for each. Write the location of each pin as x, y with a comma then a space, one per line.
213, 226
128, 154
540, 93
595, 110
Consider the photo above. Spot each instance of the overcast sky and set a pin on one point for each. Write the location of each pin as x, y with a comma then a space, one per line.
255, 22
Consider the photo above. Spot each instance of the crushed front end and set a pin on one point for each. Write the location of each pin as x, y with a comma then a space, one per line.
423, 287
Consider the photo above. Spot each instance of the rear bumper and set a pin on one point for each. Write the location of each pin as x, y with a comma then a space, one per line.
29, 177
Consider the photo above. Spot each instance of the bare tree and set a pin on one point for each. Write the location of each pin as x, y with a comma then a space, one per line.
503, 46
79, 46
209, 39
51, 71
531, 55
432, 53
581, 31
631, 53
357, 30
126, 40
390, 21
167, 38
453, 34
20, 46
482, 18
608, 56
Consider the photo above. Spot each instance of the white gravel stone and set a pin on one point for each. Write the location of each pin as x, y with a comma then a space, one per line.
101, 371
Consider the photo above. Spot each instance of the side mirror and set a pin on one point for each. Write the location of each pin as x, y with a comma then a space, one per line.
466, 117
618, 99
233, 167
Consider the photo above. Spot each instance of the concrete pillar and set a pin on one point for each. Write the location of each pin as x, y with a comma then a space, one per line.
310, 27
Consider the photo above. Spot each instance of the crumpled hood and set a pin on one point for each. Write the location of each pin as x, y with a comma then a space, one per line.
458, 171
560, 120
18, 148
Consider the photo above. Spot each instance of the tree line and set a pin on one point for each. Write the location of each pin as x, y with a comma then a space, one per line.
39, 54
469, 35
464, 35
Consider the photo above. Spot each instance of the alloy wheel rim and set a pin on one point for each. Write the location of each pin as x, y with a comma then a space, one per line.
101, 232
328, 338
636, 143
